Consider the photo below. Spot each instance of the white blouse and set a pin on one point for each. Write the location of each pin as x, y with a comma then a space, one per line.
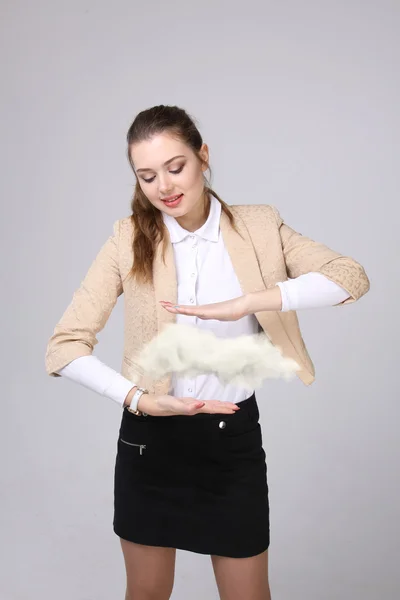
205, 275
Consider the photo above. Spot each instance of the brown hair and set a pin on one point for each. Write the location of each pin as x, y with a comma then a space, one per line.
147, 219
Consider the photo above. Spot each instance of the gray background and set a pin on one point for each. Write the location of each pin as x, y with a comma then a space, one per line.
298, 102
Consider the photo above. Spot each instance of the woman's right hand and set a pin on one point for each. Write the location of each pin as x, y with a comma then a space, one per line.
168, 406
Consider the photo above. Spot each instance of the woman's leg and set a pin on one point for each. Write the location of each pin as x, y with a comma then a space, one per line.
150, 571
239, 578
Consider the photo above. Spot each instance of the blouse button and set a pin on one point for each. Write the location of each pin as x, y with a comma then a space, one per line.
222, 425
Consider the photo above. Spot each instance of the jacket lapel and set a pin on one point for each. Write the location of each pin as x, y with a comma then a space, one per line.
165, 283
165, 288
247, 269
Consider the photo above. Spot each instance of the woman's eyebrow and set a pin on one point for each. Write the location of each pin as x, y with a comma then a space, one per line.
165, 164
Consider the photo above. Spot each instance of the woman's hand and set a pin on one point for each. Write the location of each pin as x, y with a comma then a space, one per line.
229, 310
232, 310
168, 406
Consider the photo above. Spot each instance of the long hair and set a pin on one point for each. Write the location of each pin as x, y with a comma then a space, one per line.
149, 228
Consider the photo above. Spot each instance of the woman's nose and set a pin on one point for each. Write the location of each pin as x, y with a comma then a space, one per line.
165, 185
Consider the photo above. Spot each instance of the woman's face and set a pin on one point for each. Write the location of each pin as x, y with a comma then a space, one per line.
170, 174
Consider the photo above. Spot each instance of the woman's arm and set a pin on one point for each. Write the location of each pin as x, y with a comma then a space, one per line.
312, 290
91, 305
93, 374
304, 255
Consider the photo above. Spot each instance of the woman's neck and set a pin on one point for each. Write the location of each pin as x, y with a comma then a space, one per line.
197, 216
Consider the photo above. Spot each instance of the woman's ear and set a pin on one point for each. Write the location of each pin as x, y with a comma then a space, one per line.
204, 155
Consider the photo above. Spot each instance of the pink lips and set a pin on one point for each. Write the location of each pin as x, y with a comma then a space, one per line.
172, 201
170, 197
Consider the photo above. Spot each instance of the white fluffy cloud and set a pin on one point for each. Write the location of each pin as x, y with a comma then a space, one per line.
188, 351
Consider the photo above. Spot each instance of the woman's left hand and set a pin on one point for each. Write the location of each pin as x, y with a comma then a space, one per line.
229, 310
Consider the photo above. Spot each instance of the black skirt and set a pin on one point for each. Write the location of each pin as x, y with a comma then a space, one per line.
196, 483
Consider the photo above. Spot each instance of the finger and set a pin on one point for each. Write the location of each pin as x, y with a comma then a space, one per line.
221, 404
213, 404
192, 311
216, 407
179, 309
218, 411
224, 408
191, 407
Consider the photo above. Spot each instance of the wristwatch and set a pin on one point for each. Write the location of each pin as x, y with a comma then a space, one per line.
135, 399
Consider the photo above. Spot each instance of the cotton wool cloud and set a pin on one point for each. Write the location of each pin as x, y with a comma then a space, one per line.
188, 351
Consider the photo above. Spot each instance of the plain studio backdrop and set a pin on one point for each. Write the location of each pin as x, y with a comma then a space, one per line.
299, 103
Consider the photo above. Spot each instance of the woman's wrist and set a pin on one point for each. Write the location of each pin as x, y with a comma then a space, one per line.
269, 299
128, 399
143, 403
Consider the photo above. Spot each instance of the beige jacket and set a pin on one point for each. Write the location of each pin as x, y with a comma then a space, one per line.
268, 251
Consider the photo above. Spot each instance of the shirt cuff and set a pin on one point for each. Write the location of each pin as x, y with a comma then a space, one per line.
311, 290
93, 374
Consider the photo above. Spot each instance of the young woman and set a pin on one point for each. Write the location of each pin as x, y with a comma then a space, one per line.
190, 468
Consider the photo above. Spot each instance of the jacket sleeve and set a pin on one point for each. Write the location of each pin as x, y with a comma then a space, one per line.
91, 305
304, 255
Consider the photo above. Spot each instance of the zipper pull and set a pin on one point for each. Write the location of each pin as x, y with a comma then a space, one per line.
142, 447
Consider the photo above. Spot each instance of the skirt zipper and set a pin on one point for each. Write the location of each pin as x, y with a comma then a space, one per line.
140, 446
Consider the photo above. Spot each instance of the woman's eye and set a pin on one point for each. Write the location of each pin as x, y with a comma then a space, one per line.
177, 170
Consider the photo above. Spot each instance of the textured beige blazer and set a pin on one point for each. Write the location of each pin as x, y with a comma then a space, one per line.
265, 252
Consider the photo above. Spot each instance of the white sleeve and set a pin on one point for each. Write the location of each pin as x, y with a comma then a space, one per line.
93, 374
311, 290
